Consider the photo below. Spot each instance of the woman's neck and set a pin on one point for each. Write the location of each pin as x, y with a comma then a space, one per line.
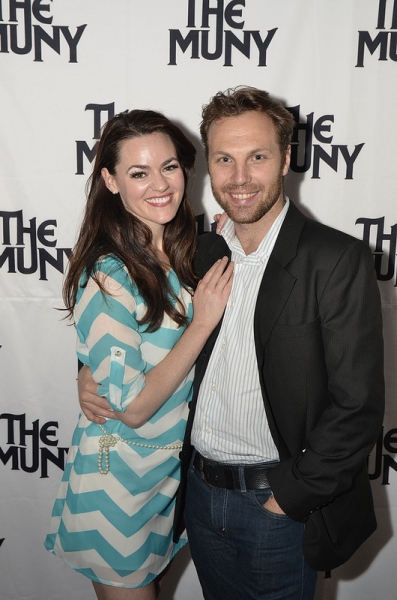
158, 246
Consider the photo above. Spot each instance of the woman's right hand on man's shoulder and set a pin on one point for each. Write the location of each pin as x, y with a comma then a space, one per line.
220, 219
212, 294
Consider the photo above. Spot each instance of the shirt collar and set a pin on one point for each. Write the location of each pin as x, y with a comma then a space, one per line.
266, 246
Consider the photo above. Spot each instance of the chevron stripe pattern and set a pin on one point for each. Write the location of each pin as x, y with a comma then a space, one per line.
116, 528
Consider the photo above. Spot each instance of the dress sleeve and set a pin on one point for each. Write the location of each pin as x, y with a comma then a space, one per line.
108, 338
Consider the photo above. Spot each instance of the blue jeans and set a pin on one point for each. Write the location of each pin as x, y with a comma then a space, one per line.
241, 550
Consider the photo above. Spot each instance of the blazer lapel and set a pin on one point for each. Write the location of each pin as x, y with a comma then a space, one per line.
277, 282
274, 291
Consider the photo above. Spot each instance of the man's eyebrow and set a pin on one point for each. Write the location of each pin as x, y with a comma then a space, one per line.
254, 151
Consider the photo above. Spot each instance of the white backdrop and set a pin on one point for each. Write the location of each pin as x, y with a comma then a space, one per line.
65, 67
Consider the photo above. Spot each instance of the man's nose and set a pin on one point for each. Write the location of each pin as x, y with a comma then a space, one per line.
241, 174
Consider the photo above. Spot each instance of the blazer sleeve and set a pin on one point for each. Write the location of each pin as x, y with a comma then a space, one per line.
337, 446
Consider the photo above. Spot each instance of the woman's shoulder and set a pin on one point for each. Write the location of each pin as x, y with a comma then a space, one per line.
111, 272
111, 266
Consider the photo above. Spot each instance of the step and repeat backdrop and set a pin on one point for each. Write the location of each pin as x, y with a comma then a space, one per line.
65, 69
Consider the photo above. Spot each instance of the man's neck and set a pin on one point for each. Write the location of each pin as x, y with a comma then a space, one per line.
250, 235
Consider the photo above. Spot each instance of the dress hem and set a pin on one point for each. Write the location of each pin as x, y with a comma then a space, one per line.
149, 578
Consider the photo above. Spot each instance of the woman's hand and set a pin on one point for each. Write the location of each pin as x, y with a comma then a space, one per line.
212, 294
93, 406
221, 220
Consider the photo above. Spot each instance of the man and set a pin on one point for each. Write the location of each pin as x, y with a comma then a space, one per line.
289, 390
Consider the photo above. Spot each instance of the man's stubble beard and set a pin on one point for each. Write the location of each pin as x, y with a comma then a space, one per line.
246, 215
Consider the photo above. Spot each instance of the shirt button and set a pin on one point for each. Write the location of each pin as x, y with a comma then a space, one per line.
223, 345
208, 430
213, 388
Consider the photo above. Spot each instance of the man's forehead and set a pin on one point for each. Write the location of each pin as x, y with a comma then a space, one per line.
249, 114
253, 128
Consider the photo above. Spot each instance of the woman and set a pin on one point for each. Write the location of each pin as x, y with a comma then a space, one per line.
129, 287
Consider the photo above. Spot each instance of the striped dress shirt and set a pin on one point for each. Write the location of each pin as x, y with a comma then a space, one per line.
230, 424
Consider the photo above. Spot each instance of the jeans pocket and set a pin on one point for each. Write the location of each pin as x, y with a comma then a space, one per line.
259, 497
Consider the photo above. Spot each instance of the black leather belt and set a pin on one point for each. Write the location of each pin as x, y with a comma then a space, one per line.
221, 476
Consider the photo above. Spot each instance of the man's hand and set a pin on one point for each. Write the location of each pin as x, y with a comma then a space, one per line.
93, 406
272, 506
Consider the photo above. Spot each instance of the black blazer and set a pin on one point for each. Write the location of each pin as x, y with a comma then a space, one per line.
319, 348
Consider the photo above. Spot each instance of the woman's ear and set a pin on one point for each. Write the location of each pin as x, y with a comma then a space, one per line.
109, 181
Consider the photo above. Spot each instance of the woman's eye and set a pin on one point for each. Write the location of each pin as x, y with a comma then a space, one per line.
172, 167
138, 175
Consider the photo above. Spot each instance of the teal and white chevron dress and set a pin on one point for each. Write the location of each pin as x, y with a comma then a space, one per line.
112, 519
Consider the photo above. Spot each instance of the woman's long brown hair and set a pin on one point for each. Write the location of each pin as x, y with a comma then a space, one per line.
108, 228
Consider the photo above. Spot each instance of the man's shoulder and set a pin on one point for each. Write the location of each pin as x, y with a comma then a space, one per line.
305, 239
327, 233
210, 247
206, 241
212, 243
325, 245
314, 232
326, 237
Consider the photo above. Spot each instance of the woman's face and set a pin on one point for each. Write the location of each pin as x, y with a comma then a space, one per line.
149, 179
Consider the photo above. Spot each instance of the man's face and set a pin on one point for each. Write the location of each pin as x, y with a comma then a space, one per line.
246, 166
